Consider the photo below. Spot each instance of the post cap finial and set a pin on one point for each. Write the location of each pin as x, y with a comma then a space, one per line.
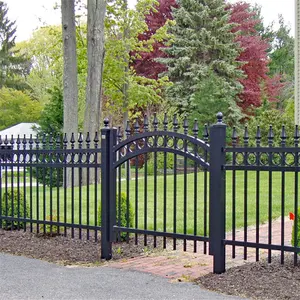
106, 122
219, 117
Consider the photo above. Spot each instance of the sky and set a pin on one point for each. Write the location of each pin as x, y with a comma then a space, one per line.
31, 14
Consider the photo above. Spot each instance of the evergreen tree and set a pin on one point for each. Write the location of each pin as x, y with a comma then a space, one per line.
11, 63
202, 60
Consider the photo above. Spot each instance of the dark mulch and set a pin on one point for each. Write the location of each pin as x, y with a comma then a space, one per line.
253, 280
258, 280
65, 250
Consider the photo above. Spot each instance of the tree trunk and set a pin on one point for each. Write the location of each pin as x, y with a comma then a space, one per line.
126, 79
95, 45
70, 94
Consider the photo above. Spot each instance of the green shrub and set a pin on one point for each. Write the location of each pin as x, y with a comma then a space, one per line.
51, 178
270, 117
293, 230
159, 162
13, 206
123, 214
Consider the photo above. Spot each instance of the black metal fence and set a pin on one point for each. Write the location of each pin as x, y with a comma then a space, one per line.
159, 185
44, 185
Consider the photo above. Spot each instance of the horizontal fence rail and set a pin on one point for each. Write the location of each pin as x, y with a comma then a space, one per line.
165, 191
158, 184
51, 185
264, 189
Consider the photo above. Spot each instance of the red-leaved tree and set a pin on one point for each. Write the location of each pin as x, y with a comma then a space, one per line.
254, 56
257, 84
146, 65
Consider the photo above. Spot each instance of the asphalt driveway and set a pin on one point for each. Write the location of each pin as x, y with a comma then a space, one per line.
25, 278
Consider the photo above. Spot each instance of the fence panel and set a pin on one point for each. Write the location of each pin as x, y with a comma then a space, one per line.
50, 186
264, 189
161, 196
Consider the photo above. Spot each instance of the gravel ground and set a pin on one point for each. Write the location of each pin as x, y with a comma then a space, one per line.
258, 280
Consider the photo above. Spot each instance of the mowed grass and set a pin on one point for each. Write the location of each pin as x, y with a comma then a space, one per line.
81, 205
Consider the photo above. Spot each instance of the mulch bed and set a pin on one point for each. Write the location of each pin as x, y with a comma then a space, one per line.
258, 280
65, 250
252, 280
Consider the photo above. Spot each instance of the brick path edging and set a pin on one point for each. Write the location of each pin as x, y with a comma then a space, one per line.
186, 266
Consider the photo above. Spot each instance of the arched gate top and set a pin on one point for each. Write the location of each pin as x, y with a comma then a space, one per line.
163, 141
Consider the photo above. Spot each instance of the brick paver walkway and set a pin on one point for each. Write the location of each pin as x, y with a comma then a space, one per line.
179, 265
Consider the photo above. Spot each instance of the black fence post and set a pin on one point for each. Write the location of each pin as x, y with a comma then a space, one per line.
217, 195
108, 194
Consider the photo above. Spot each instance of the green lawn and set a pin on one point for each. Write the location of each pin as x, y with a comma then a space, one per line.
41, 197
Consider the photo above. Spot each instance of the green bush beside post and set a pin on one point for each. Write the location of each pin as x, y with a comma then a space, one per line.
298, 232
123, 214
13, 206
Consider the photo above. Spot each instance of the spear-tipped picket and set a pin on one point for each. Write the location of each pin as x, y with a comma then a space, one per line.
165, 122
270, 136
51, 141
37, 142
258, 136
57, 142
96, 139
72, 141
65, 141
246, 137
283, 136
234, 136
175, 123
119, 134
296, 136
205, 133
18, 142
195, 128
44, 141
87, 140
30, 142
185, 125
127, 129
155, 122
12, 141
6, 140
146, 123
80, 140
136, 126
24, 141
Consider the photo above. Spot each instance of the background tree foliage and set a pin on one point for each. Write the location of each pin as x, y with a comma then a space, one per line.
215, 57
17, 107
203, 54
13, 66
